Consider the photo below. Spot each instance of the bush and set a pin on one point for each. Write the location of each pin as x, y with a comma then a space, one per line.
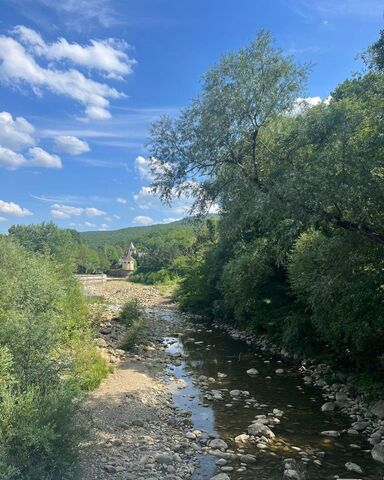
133, 317
47, 357
134, 334
131, 311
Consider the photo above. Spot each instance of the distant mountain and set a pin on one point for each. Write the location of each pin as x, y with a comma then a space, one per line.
132, 234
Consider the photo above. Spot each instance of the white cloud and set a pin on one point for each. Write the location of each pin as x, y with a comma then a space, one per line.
71, 145
18, 66
94, 212
121, 200
3, 219
11, 208
108, 55
15, 134
65, 211
104, 226
10, 159
169, 220
143, 167
142, 220
302, 104
89, 224
41, 158
146, 199
116, 217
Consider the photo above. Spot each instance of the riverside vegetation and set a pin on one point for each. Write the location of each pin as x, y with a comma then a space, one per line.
297, 253
47, 361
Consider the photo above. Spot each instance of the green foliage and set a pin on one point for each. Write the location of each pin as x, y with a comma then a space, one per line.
298, 252
46, 358
131, 311
63, 246
133, 317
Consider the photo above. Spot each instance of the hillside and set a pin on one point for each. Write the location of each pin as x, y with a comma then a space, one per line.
132, 234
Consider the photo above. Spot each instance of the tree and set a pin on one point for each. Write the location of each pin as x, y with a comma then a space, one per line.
223, 128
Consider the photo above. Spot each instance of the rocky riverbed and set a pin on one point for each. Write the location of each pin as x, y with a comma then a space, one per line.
197, 402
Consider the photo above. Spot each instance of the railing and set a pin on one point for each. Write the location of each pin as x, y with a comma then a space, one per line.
89, 278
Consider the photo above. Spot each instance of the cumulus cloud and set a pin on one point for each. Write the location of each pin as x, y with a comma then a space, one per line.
108, 56
94, 212
143, 168
67, 211
121, 200
89, 224
142, 220
146, 199
71, 145
3, 219
19, 66
17, 134
41, 158
11, 208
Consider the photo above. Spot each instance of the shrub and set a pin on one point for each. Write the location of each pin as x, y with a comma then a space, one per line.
133, 317
135, 332
131, 311
47, 357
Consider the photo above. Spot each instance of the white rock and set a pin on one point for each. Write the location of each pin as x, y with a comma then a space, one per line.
279, 371
330, 433
252, 371
353, 467
328, 407
378, 409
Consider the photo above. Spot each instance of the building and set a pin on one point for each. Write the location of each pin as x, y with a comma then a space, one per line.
127, 261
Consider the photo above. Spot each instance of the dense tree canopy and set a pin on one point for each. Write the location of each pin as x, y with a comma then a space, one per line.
300, 248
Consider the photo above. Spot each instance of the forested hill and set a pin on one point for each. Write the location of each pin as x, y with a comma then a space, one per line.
130, 234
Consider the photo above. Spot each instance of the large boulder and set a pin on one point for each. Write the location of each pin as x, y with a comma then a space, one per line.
377, 452
378, 409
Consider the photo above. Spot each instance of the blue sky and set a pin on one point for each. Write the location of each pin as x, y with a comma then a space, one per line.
81, 81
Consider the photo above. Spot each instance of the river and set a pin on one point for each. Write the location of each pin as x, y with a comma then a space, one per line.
200, 350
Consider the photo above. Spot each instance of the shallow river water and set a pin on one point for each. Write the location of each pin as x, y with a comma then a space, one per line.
208, 352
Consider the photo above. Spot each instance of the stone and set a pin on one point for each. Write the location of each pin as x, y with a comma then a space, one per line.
377, 452
353, 467
220, 476
330, 433
235, 393
279, 371
218, 443
260, 429
252, 371
109, 468
378, 409
291, 474
328, 407
243, 438
164, 458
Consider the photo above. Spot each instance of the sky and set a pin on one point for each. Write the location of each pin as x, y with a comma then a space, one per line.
82, 80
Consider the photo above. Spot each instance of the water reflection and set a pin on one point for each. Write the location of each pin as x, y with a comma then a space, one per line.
209, 352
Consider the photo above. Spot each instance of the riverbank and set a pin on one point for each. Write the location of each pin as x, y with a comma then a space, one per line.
194, 401
367, 415
137, 434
